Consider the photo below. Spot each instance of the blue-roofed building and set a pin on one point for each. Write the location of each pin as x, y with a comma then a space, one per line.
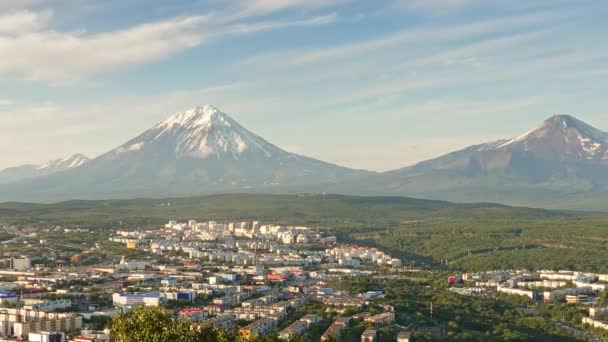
8, 296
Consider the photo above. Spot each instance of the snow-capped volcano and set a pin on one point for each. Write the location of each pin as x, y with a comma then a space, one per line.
203, 150
197, 151
563, 137
17, 173
202, 132
560, 157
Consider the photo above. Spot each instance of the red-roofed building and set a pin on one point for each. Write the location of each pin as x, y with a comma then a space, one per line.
276, 277
194, 314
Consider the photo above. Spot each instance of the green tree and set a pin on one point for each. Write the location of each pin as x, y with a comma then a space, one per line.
604, 298
160, 325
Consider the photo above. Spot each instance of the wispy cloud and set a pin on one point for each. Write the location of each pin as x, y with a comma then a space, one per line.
261, 7
250, 28
58, 56
442, 5
420, 85
296, 58
423, 59
32, 49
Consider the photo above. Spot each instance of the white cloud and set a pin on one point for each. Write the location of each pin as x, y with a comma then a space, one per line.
54, 55
23, 21
442, 7
274, 25
32, 49
340, 92
436, 5
261, 7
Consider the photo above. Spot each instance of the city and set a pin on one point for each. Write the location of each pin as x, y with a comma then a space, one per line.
303, 171
254, 279
244, 274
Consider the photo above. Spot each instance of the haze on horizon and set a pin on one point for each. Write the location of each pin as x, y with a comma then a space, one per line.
371, 85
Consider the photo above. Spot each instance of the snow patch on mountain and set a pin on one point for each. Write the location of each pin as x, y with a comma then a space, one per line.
491, 145
203, 132
18, 173
136, 147
590, 147
577, 138
519, 138
61, 164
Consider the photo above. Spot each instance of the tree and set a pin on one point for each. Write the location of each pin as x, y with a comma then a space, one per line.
604, 298
97, 322
156, 324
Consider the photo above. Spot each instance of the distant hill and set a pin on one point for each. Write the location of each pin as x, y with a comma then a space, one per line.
28, 171
315, 209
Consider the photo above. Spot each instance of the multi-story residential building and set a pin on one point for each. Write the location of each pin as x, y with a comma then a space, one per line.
311, 319
20, 323
194, 314
128, 299
519, 292
597, 312
297, 328
381, 319
369, 335
333, 331
20, 264
595, 323
258, 327
50, 305
224, 321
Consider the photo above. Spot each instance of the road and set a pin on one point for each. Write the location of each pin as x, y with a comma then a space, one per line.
14, 231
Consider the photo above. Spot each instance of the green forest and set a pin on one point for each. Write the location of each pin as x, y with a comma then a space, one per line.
424, 233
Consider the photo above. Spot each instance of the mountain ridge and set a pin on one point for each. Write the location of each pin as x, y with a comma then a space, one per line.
204, 151
197, 151
29, 171
562, 158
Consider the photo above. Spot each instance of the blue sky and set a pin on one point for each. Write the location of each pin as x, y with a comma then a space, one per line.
367, 84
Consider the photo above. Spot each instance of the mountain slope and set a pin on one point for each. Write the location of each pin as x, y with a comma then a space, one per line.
198, 151
562, 145
17, 173
561, 159
562, 163
562, 137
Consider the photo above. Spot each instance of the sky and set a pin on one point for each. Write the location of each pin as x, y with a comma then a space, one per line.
374, 85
